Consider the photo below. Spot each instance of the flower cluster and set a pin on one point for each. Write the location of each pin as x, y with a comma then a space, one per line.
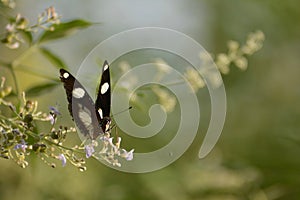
165, 98
194, 79
19, 137
106, 150
18, 28
167, 101
237, 53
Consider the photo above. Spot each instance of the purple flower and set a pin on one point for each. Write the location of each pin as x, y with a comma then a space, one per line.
21, 145
54, 110
53, 114
89, 150
63, 159
51, 118
16, 131
127, 155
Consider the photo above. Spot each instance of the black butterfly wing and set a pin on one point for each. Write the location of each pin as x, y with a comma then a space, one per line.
81, 106
103, 100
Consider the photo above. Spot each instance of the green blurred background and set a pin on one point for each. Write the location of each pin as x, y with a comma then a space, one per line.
257, 156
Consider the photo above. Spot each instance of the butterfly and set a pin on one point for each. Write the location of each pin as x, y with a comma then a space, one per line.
91, 118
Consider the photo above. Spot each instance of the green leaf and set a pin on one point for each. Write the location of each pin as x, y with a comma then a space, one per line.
28, 36
40, 89
64, 29
54, 59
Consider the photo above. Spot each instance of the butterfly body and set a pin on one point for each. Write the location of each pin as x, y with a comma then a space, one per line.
92, 118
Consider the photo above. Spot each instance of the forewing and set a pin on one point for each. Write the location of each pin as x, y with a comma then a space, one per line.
104, 93
81, 106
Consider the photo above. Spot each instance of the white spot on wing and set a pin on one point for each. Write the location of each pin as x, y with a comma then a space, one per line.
100, 113
78, 93
104, 88
66, 75
85, 118
105, 67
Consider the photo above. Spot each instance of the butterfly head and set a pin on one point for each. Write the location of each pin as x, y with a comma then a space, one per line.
105, 124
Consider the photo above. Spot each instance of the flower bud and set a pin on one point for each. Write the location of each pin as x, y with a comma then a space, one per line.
28, 118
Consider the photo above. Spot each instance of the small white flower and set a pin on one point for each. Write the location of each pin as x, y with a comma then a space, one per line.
89, 150
127, 155
233, 45
14, 45
241, 63
194, 79
124, 66
110, 140
223, 62
167, 101
63, 159
10, 27
162, 66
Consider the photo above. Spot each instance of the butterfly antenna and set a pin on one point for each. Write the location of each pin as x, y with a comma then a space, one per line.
121, 111
114, 125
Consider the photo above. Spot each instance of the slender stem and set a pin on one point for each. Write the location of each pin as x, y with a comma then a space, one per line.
17, 61
10, 68
63, 147
39, 24
15, 81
